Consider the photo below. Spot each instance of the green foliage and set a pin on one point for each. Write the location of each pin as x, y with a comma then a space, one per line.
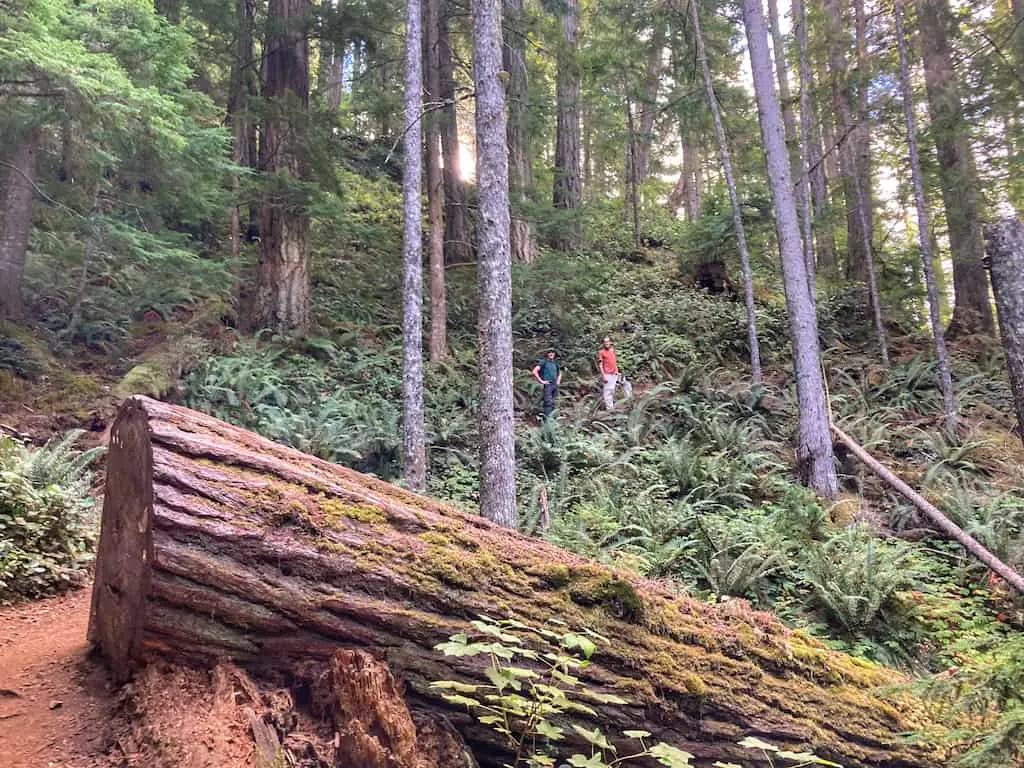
47, 528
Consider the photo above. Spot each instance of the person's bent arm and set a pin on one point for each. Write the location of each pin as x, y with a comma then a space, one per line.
536, 374
559, 381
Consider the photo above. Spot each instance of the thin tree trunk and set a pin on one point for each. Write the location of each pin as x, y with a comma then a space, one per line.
283, 280
806, 121
842, 104
678, 194
861, 137
16, 222
734, 199
1006, 263
824, 235
241, 91
435, 185
947, 526
458, 247
497, 433
632, 185
789, 121
413, 436
814, 450
693, 180
958, 175
567, 194
520, 168
924, 226
649, 105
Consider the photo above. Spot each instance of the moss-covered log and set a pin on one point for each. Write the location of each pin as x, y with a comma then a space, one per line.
216, 543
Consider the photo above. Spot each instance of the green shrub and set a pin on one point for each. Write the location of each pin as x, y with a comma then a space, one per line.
47, 525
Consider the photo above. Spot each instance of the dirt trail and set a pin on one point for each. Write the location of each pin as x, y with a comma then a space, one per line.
56, 705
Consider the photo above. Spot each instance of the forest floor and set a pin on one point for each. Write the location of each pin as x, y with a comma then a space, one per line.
56, 703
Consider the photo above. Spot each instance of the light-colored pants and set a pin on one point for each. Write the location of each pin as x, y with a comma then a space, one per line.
610, 380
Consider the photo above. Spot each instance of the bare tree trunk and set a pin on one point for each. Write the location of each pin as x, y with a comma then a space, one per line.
567, 192
282, 280
649, 105
693, 185
497, 431
678, 194
16, 222
435, 185
814, 450
789, 121
413, 434
458, 247
1006, 263
861, 136
243, 88
799, 8
523, 237
632, 185
846, 126
958, 175
924, 226
824, 235
734, 199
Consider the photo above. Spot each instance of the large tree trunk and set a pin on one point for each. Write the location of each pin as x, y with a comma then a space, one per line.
413, 435
814, 449
567, 194
283, 279
458, 247
520, 167
218, 543
924, 225
497, 426
734, 199
435, 183
16, 222
958, 175
244, 86
1006, 264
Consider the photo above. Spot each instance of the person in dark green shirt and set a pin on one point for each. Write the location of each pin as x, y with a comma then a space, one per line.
549, 374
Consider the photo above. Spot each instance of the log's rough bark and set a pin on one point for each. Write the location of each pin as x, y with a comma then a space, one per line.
16, 222
1005, 242
958, 174
283, 275
216, 542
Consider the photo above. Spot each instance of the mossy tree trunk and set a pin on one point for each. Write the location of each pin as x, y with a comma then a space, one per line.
216, 542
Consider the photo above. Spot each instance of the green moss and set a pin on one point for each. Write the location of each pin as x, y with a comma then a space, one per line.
693, 683
435, 538
150, 378
334, 509
616, 596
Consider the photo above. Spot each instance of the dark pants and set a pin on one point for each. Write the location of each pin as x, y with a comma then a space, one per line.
550, 398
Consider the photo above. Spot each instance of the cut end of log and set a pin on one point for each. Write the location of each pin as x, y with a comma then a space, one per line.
125, 553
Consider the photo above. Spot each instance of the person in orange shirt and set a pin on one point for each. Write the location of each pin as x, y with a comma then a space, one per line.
609, 368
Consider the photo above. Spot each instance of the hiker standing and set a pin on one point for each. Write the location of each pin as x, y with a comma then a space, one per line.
549, 374
609, 368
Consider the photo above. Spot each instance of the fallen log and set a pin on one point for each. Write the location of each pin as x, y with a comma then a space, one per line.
218, 543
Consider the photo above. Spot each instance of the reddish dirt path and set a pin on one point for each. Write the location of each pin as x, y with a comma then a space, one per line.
43, 661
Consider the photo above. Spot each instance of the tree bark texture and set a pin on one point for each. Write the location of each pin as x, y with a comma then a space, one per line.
924, 225
734, 198
244, 86
958, 175
1006, 266
458, 245
691, 167
435, 182
814, 449
218, 543
568, 194
414, 459
283, 279
520, 168
861, 136
845, 128
802, 167
494, 269
16, 222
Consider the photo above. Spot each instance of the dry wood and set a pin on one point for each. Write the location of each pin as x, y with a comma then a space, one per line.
972, 545
218, 543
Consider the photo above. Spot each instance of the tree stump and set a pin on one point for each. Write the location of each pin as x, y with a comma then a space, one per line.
1005, 246
218, 543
